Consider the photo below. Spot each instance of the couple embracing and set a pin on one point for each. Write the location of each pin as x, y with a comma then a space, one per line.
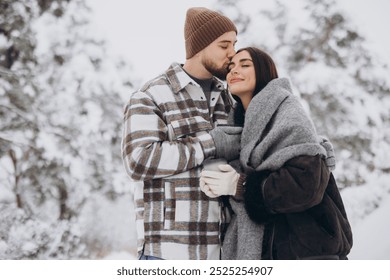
272, 197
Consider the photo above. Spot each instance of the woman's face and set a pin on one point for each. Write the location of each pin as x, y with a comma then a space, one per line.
241, 77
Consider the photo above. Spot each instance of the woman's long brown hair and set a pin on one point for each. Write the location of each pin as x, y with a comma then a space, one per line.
265, 71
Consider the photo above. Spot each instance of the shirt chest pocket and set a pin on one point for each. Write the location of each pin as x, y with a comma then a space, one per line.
187, 127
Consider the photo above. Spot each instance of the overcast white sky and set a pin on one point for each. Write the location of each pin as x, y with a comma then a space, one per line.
149, 33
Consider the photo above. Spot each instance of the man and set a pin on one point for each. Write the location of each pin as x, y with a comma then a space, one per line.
170, 129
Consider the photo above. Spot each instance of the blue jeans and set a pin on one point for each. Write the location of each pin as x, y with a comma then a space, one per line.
147, 258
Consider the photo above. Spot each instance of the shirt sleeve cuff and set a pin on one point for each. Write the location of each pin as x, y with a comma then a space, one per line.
208, 146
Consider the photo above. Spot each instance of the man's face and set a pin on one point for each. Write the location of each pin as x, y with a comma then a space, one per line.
217, 55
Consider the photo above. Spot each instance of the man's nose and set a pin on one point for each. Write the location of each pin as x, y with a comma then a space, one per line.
232, 52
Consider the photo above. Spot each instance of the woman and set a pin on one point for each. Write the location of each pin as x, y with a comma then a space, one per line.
285, 200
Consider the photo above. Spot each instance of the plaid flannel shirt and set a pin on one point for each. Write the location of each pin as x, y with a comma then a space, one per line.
165, 141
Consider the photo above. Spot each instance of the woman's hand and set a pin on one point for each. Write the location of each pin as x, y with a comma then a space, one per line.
217, 183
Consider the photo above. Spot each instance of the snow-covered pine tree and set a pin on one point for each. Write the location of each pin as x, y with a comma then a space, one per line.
61, 98
347, 88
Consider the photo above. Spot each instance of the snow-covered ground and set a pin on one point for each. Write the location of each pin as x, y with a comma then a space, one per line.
372, 235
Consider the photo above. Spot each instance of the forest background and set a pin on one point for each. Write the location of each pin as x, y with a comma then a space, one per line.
63, 84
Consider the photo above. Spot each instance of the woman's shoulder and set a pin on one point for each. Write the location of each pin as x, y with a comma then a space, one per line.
280, 84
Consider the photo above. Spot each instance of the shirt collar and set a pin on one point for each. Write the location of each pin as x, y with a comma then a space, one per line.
179, 79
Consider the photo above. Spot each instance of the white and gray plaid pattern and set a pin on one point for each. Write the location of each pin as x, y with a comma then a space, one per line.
165, 140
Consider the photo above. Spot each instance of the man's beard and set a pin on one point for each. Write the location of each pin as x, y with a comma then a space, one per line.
214, 70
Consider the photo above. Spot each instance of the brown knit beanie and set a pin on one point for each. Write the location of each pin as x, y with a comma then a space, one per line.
202, 27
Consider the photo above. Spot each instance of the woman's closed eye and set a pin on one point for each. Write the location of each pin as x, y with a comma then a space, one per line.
231, 66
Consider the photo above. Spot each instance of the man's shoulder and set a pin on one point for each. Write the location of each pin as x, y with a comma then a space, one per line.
160, 80
172, 80
158, 89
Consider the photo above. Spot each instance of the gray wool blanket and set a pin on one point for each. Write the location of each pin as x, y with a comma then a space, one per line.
276, 130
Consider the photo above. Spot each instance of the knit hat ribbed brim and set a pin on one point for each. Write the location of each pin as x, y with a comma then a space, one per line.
202, 27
